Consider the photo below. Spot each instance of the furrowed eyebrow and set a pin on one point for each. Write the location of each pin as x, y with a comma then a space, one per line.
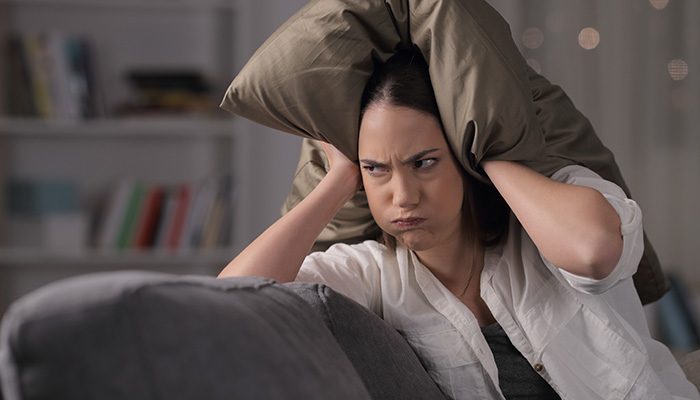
374, 163
418, 156
409, 160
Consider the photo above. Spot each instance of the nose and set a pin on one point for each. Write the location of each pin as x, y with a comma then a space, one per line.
406, 193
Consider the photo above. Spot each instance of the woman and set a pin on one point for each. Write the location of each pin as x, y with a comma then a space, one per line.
535, 303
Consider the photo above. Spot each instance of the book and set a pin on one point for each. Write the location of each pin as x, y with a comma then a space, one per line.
131, 214
182, 207
203, 207
114, 214
51, 75
82, 76
38, 72
19, 101
166, 217
212, 236
145, 227
63, 89
37, 197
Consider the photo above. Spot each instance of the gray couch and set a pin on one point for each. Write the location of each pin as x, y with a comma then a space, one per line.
142, 335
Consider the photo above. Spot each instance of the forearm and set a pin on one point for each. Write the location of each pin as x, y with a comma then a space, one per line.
279, 251
574, 227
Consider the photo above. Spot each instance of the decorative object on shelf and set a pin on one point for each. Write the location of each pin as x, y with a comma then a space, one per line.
168, 91
34, 197
46, 214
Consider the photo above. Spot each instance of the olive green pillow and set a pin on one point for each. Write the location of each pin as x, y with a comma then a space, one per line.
308, 77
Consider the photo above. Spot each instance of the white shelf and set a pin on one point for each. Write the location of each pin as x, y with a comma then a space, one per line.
130, 127
137, 4
124, 259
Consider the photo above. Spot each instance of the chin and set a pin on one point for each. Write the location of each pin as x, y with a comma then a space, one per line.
415, 241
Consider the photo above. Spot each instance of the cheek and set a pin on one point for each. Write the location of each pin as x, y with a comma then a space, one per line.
449, 193
376, 204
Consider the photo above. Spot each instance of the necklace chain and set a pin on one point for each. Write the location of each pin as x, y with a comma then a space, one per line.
469, 281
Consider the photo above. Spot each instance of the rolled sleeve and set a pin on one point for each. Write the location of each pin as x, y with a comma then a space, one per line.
348, 269
630, 227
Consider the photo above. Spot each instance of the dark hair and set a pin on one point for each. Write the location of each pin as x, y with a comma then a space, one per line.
404, 80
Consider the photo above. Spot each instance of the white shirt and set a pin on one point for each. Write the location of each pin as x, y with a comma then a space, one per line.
587, 338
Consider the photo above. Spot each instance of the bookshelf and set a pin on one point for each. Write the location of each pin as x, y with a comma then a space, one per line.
99, 129
166, 147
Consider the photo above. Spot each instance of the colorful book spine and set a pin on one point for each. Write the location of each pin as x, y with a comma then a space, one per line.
38, 67
180, 216
190, 215
166, 217
149, 217
50, 75
19, 99
132, 212
114, 214
216, 220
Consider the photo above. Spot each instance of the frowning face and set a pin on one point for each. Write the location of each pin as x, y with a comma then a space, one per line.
413, 183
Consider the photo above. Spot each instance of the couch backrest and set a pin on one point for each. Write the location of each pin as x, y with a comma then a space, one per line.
143, 335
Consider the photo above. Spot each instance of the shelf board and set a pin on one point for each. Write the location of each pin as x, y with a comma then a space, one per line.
136, 4
188, 127
125, 258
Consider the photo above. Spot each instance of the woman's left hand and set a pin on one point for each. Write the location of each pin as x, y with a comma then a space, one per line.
339, 164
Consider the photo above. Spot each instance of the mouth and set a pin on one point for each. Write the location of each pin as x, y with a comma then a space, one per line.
405, 223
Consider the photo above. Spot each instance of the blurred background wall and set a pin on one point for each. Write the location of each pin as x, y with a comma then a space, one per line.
631, 66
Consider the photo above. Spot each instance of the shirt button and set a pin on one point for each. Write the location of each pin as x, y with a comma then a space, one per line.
538, 367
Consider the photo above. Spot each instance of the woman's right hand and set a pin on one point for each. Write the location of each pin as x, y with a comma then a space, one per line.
279, 251
340, 165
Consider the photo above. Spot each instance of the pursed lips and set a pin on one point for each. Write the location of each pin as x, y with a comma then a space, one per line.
408, 222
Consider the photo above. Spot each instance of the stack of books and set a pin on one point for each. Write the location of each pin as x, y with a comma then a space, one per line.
190, 215
50, 75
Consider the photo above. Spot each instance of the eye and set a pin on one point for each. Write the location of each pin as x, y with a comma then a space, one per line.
374, 170
425, 163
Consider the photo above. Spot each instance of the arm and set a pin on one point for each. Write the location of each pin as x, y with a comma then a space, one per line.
279, 251
574, 227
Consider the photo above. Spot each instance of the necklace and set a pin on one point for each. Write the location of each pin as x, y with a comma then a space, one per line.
469, 281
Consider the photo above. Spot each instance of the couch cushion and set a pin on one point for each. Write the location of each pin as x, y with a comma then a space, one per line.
691, 366
385, 361
143, 335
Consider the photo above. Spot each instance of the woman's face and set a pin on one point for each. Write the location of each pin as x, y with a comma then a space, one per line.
412, 181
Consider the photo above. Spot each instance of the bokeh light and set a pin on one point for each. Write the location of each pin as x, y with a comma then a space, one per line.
678, 69
589, 38
533, 38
